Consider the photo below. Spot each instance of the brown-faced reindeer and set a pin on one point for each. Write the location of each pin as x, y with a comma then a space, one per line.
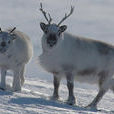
77, 58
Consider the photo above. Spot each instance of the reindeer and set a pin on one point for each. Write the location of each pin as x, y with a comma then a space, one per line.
15, 52
76, 58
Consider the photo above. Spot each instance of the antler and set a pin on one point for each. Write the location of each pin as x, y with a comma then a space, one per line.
0, 30
12, 30
44, 13
66, 16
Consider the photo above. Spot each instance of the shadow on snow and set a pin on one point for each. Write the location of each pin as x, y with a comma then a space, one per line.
26, 101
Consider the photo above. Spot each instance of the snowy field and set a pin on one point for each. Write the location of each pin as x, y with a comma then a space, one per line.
91, 18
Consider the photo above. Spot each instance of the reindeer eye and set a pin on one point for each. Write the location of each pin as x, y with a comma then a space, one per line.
9, 42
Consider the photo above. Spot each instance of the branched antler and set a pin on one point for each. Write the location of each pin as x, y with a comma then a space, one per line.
45, 15
12, 30
66, 16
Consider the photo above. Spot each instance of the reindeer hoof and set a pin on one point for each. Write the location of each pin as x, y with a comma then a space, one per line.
16, 89
90, 107
71, 101
54, 97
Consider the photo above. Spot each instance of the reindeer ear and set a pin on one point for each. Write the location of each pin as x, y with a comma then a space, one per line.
43, 26
62, 28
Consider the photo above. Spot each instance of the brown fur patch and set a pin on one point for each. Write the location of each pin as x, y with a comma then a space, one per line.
67, 68
55, 72
87, 71
104, 49
102, 78
103, 73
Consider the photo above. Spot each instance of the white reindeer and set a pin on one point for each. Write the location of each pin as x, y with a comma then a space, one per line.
15, 51
77, 58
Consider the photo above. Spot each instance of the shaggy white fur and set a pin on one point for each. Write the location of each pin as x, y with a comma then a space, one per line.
77, 58
14, 55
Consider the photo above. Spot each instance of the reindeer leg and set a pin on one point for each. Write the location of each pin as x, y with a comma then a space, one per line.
16, 80
3, 79
22, 75
97, 99
70, 85
102, 91
56, 83
112, 88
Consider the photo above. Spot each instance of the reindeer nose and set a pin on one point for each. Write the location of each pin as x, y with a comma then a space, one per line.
3, 44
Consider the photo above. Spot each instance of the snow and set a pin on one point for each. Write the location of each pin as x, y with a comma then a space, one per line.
91, 18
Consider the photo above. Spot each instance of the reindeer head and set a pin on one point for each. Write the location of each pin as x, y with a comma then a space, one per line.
53, 32
6, 39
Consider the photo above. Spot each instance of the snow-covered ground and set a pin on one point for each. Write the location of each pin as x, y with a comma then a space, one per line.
91, 18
